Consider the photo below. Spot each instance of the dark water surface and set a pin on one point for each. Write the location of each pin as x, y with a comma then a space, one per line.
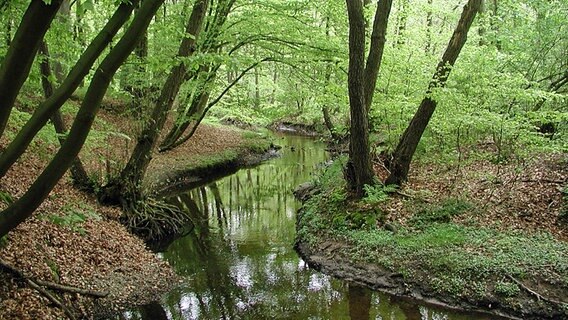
238, 261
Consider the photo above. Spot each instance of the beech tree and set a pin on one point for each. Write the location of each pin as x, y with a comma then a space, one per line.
21, 53
23, 207
402, 155
127, 187
57, 98
361, 83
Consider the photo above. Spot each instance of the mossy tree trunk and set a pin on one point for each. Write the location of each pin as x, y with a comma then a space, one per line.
402, 156
22, 208
18, 61
47, 108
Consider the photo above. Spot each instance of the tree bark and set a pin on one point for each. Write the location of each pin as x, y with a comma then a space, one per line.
22, 208
375, 57
78, 172
130, 179
359, 171
202, 110
18, 61
44, 111
406, 147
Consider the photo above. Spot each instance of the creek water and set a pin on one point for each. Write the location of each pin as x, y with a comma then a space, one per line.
238, 261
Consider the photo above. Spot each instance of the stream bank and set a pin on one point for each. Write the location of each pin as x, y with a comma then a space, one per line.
455, 242
73, 240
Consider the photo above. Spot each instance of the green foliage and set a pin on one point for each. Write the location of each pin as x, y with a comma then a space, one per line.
74, 217
356, 220
507, 289
441, 213
54, 269
377, 194
6, 197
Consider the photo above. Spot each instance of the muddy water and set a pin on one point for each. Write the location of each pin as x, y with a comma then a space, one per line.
238, 261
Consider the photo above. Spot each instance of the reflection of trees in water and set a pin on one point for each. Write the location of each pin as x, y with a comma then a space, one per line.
239, 262
201, 256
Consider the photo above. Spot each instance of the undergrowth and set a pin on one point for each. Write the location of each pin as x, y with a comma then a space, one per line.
430, 249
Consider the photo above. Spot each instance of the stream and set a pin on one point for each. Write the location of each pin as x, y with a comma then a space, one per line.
238, 261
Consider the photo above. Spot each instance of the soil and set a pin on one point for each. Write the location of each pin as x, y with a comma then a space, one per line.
523, 195
73, 240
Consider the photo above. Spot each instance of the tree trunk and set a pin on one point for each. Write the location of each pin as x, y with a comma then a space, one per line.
198, 116
44, 111
206, 74
378, 39
402, 17
78, 172
359, 171
406, 147
429, 25
18, 61
22, 208
130, 181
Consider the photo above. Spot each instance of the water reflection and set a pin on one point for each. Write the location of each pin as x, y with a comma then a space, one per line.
238, 262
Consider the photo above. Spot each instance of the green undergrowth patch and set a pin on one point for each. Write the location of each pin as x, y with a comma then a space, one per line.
256, 142
430, 250
73, 217
253, 143
208, 161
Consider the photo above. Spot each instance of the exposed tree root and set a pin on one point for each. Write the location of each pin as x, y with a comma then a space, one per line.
154, 219
532, 292
39, 284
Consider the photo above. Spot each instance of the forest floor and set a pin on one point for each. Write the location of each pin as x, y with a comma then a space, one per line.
73, 240
476, 235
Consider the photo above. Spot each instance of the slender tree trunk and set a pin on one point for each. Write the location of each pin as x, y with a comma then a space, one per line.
359, 171
46, 109
429, 25
78, 172
130, 180
325, 108
378, 39
18, 61
406, 147
256, 89
210, 44
63, 17
200, 114
22, 208
401, 22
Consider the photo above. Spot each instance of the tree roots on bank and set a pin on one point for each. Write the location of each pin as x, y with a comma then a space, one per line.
154, 219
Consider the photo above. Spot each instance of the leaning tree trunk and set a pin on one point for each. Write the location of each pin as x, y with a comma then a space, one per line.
202, 110
211, 33
22, 208
18, 61
128, 185
402, 156
78, 172
378, 39
46, 109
